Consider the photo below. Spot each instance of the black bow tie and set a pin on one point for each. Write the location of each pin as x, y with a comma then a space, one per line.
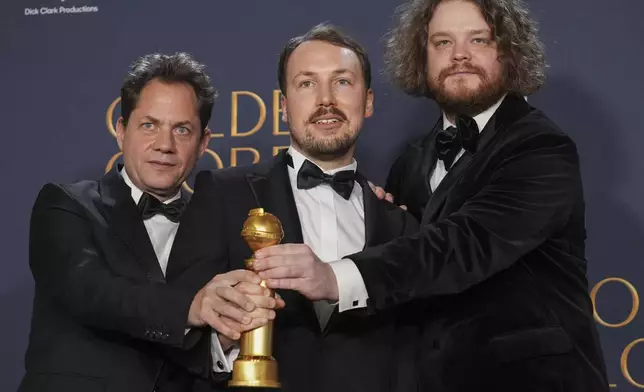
149, 206
450, 141
311, 176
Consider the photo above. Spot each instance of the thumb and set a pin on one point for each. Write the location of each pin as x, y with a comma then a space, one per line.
242, 275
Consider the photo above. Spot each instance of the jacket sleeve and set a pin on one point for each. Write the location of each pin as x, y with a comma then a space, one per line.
528, 198
207, 199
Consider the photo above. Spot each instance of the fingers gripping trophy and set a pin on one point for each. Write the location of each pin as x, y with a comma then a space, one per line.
255, 365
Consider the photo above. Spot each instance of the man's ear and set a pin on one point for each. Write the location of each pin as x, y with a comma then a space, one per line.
368, 111
205, 139
120, 132
283, 105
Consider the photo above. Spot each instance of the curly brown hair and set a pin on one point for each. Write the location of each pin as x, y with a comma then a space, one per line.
522, 53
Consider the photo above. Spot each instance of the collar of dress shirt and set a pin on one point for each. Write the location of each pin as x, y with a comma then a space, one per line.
299, 158
481, 118
137, 193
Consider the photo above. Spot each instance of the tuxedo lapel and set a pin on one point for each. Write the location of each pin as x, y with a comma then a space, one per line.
272, 191
121, 213
372, 214
183, 252
511, 109
437, 199
410, 181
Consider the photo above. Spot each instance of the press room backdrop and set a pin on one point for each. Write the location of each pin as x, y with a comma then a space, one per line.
62, 62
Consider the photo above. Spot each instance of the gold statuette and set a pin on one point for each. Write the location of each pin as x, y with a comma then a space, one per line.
255, 366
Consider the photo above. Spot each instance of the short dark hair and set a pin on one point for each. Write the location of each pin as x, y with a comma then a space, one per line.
175, 68
522, 53
326, 33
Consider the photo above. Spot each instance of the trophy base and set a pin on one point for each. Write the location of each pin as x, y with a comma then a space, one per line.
257, 372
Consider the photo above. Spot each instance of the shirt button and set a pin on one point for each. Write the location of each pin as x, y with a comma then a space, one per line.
220, 365
355, 303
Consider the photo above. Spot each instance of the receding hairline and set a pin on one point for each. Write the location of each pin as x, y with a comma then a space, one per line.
341, 69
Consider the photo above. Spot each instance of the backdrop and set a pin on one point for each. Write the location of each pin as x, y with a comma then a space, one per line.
62, 63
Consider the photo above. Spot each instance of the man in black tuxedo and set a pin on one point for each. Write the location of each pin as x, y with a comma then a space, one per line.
497, 269
325, 206
124, 299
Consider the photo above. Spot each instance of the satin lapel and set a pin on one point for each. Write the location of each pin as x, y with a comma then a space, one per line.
183, 252
121, 213
420, 162
511, 109
272, 191
372, 214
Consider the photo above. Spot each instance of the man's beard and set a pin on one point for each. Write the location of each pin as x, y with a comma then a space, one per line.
323, 148
465, 101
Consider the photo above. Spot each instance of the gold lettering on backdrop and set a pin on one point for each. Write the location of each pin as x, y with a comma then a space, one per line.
234, 151
277, 113
111, 162
624, 363
214, 135
277, 149
235, 110
109, 117
634, 308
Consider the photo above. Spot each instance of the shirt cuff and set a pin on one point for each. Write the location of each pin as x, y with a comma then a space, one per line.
222, 362
352, 291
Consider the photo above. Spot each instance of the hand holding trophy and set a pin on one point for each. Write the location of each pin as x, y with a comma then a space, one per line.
255, 365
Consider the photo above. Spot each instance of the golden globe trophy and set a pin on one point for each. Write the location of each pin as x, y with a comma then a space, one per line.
255, 365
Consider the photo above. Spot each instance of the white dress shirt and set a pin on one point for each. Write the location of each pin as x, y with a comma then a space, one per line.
162, 232
160, 229
481, 121
356, 296
332, 227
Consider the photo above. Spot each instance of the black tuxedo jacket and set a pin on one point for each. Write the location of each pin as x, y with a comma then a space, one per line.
355, 352
499, 261
104, 316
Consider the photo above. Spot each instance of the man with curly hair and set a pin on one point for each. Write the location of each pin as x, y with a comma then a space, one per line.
498, 268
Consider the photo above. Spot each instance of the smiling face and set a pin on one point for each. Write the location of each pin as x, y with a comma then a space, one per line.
162, 139
464, 72
326, 100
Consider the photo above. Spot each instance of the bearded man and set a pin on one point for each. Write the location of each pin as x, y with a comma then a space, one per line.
497, 271
326, 207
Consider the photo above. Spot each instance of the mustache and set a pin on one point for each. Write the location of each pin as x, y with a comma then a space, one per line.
323, 111
466, 67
